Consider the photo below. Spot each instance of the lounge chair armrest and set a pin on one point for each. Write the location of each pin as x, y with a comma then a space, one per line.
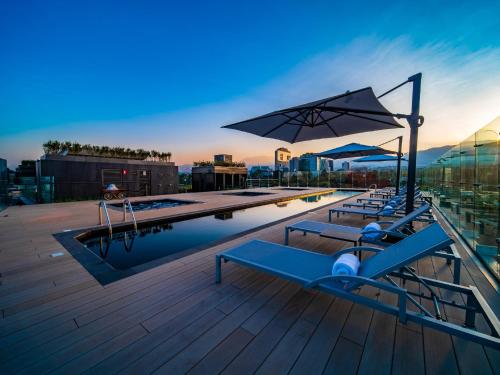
357, 280
356, 248
384, 222
373, 231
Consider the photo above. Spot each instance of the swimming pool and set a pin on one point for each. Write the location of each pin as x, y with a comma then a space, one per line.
171, 240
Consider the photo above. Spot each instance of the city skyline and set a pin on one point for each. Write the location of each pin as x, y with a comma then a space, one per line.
141, 79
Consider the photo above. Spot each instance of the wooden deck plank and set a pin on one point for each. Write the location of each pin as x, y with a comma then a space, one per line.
92, 333
190, 356
222, 355
439, 353
172, 327
345, 357
316, 353
95, 355
379, 345
249, 360
408, 355
284, 355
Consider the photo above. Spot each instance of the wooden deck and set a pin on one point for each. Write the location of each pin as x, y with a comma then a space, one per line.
174, 319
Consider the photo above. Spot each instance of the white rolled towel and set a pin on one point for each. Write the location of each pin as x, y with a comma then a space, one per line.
346, 265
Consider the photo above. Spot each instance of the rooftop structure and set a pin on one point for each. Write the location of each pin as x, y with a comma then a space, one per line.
71, 177
215, 177
224, 158
281, 158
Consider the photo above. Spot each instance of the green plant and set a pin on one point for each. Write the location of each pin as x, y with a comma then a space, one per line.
52, 147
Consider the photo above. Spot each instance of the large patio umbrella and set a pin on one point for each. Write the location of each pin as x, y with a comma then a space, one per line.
350, 113
353, 150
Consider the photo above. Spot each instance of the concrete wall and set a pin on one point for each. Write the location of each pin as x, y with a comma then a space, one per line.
81, 177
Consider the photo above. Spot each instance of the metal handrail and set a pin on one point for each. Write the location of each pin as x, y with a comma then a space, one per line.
103, 207
126, 204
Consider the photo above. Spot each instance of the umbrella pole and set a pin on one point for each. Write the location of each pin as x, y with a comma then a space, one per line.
398, 169
413, 121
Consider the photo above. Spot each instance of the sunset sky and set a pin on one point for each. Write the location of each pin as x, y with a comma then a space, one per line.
163, 76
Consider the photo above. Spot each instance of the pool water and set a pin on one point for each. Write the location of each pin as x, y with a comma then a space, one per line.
130, 249
153, 205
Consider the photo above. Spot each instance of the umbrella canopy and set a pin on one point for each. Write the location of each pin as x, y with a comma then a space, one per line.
350, 113
376, 158
352, 150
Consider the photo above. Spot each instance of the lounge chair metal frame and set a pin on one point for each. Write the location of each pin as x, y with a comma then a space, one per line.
345, 287
395, 229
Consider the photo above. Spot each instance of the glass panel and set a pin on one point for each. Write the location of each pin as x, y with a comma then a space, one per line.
465, 185
467, 195
486, 197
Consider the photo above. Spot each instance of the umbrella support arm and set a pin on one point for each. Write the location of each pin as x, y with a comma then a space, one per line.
398, 168
400, 152
414, 122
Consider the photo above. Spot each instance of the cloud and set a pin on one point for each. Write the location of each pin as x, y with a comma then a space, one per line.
460, 93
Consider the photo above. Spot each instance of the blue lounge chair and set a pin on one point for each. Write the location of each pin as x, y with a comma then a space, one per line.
362, 202
317, 227
313, 270
366, 212
395, 230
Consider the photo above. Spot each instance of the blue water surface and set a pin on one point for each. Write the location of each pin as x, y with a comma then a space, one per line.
130, 249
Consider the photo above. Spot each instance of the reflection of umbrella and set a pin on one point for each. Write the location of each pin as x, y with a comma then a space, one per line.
350, 113
376, 158
352, 150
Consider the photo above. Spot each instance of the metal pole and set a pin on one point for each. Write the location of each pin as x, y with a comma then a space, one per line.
398, 170
413, 121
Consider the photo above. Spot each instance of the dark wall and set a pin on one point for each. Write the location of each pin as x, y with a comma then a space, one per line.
83, 179
4, 180
203, 182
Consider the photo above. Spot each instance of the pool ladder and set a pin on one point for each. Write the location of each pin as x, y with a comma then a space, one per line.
126, 206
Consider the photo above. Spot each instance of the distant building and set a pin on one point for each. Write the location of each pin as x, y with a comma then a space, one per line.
346, 166
27, 168
214, 177
330, 164
308, 163
312, 163
224, 158
293, 164
281, 158
84, 177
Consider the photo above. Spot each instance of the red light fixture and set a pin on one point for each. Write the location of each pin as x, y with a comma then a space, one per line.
124, 172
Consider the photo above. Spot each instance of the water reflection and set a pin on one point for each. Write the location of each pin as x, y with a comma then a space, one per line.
128, 249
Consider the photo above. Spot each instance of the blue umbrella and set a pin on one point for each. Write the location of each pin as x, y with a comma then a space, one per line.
376, 158
352, 150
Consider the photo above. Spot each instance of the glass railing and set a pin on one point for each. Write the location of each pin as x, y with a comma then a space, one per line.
465, 185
